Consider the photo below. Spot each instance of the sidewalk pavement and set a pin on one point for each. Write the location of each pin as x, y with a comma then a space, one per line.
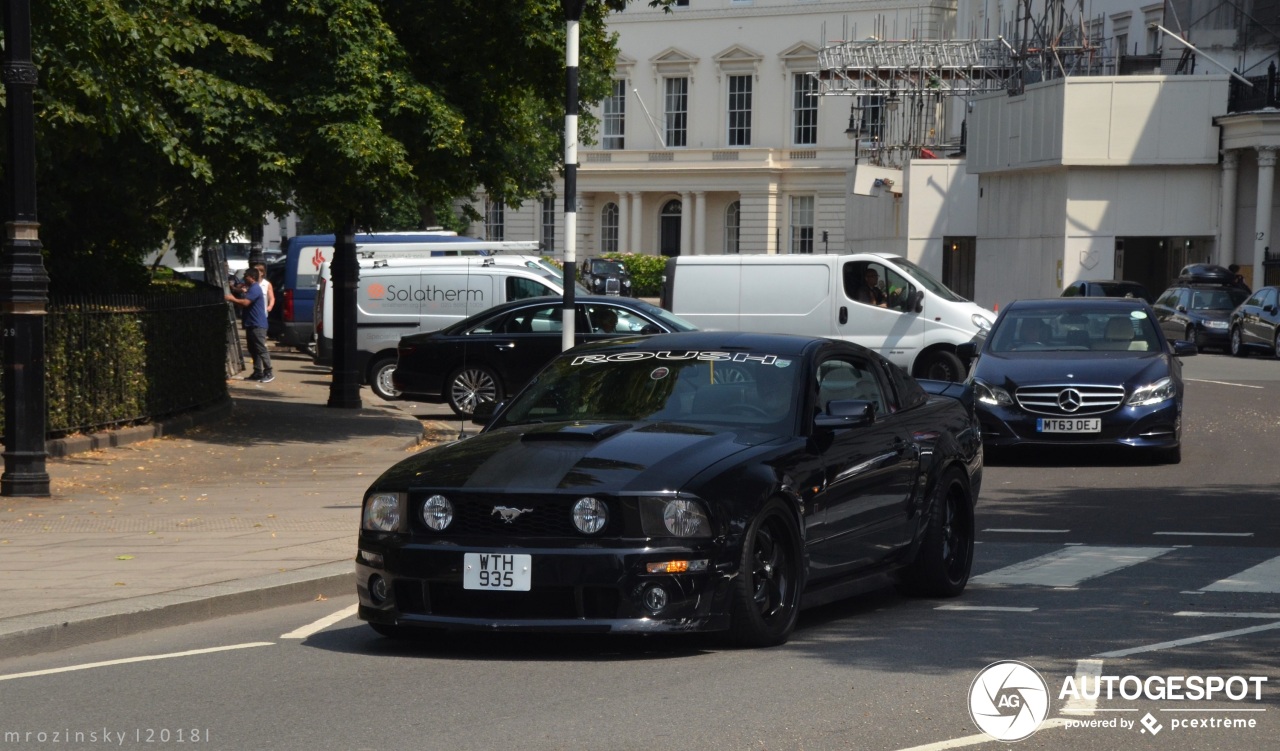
254, 504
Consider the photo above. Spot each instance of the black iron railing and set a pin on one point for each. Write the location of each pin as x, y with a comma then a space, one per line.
1262, 95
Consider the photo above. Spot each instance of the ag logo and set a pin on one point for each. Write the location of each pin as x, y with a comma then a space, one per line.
376, 291
1008, 700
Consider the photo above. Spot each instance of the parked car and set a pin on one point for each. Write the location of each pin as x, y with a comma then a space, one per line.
493, 354
605, 276
1081, 371
1255, 325
1106, 288
1198, 312
698, 481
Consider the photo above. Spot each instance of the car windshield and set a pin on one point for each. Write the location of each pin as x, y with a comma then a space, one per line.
756, 391
609, 268
927, 280
1043, 330
1217, 299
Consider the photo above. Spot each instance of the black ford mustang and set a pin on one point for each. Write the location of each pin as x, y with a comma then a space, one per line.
679, 482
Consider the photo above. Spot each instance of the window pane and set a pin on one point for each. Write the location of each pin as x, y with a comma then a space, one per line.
739, 110
609, 228
805, 110
733, 227
548, 224
802, 224
615, 111
677, 111
493, 220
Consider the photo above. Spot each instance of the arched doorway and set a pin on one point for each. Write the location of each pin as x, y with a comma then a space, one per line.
669, 243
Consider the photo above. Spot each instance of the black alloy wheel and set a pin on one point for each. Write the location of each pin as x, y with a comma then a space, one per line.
1275, 342
766, 597
945, 557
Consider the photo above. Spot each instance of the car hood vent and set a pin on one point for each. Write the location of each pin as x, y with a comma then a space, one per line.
576, 432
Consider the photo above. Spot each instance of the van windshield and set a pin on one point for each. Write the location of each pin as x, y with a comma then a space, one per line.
926, 280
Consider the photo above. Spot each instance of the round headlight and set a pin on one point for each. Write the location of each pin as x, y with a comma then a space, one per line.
590, 515
684, 518
437, 512
382, 513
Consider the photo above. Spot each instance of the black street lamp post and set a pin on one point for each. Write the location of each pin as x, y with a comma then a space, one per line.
24, 285
344, 388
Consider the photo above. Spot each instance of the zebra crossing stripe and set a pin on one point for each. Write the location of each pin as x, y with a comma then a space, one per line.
1263, 578
1069, 566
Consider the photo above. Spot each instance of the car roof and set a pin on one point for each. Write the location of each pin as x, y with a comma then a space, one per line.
791, 345
1079, 304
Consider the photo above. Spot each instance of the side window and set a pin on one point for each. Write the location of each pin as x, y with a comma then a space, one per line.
909, 392
1269, 297
518, 288
841, 379
1071, 291
537, 320
1169, 299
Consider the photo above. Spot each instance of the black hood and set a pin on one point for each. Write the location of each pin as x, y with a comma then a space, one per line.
600, 457
1132, 368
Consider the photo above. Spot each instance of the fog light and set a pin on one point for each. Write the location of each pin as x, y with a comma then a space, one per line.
676, 567
655, 599
378, 588
370, 559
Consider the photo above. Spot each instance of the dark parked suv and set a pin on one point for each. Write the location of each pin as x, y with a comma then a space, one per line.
1197, 307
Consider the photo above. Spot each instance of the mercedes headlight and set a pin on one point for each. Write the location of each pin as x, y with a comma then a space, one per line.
674, 517
383, 512
1154, 393
993, 395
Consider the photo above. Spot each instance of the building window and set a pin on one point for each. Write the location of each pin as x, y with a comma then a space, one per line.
493, 211
609, 228
804, 110
802, 224
676, 111
739, 110
615, 116
548, 244
733, 227
872, 120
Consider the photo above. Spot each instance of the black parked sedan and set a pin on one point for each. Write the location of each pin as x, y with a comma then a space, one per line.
494, 354
1081, 371
1255, 325
681, 482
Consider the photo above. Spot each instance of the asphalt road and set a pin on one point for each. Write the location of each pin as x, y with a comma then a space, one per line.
1088, 564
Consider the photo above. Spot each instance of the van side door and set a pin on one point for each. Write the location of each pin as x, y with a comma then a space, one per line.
875, 310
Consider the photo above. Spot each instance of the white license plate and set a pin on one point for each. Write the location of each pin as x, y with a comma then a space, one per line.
1069, 425
508, 572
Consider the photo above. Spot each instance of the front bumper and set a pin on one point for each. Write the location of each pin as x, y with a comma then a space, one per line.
1157, 426
575, 587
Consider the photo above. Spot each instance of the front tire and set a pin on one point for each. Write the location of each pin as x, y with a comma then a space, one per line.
1275, 342
470, 385
1237, 342
940, 365
945, 557
765, 600
380, 378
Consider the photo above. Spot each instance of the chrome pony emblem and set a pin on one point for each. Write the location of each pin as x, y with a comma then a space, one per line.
510, 514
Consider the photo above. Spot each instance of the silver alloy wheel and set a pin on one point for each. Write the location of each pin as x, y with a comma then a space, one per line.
470, 386
381, 381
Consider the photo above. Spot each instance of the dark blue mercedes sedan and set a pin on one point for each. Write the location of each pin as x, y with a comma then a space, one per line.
704, 481
1081, 371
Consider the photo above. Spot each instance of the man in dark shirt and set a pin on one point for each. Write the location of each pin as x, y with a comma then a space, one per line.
870, 292
253, 315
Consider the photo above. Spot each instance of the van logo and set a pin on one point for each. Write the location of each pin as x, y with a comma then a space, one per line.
317, 260
376, 291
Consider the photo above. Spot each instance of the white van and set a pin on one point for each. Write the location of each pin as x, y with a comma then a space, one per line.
909, 316
395, 298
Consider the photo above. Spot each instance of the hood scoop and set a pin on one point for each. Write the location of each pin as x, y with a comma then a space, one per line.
576, 432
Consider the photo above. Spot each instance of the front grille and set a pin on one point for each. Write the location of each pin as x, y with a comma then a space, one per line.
612, 286
539, 516
1058, 400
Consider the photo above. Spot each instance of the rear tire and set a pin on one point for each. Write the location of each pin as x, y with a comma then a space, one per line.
945, 557
940, 365
1275, 341
765, 599
380, 378
470, 385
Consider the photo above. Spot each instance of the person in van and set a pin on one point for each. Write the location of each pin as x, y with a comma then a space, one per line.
870, 293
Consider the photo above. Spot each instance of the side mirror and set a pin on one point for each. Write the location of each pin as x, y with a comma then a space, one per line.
1185, 349
651, 328
846, 413
484, 412
917, 300
966, 351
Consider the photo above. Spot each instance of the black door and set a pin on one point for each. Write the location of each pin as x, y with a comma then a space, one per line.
670, 226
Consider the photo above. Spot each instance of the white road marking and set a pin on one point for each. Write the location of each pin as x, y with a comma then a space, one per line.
1031, 531
1204, 534
973, 740
1224, 383
128, 660
1087, 674
1189, 640
1199, 614
323, 623
1263, 578
992, 608
1069, 566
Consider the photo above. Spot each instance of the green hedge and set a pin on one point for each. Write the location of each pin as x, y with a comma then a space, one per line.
646, 272
120, 359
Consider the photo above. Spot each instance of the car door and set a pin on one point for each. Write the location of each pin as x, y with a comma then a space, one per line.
869, 472
895, 330
1256, 329
531, 337
1170, 312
